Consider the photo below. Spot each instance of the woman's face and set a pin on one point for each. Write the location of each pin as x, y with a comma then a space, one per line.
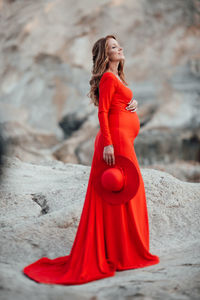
115, 51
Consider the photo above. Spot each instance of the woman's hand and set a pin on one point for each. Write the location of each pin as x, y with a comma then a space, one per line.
132, 105
108, 154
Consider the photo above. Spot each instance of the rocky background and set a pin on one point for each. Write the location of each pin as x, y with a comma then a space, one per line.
45, 67
48, 127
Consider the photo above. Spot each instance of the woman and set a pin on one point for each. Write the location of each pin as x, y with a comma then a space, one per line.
109, 238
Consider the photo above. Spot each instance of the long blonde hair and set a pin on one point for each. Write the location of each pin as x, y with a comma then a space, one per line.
100, 65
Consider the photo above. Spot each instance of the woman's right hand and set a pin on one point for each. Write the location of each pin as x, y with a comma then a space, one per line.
108, 154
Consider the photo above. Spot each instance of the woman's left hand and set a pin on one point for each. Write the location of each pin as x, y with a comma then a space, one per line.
132, 105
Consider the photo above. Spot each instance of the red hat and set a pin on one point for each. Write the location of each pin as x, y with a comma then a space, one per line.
117, 183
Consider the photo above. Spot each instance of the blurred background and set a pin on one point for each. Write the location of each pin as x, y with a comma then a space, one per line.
45, 68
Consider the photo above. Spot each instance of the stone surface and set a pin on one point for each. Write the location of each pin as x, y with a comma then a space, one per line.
41, 206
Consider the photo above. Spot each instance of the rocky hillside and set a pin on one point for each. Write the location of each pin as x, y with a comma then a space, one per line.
45, 67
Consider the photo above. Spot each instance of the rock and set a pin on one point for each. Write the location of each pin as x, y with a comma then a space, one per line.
166, 145
27, 143
183, 170
41, 206
79, 147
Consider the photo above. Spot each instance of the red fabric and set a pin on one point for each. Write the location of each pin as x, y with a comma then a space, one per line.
107, 88
109, 238
112, 179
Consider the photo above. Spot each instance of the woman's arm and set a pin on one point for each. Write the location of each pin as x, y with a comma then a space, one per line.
106, 90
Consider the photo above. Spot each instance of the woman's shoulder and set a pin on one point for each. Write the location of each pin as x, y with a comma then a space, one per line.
109, 76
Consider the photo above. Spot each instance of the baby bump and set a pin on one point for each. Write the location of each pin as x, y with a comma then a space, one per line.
124, 127
124, 123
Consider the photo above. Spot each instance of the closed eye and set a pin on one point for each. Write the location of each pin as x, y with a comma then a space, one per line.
115, 46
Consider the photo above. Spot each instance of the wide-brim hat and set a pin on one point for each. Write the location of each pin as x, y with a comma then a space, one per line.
118, 183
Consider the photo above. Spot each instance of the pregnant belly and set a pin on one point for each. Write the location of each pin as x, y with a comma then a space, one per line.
124, 123
124, 127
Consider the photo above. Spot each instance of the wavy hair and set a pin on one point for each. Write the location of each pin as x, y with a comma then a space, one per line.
100, 65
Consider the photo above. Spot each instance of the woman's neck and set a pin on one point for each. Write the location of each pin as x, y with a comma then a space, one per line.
113, 67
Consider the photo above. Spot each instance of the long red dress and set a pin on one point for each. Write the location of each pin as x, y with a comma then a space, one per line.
109, 237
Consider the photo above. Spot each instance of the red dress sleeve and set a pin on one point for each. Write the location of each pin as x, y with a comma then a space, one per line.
107, 87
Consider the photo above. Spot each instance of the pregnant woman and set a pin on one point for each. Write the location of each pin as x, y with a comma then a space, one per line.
113, 232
